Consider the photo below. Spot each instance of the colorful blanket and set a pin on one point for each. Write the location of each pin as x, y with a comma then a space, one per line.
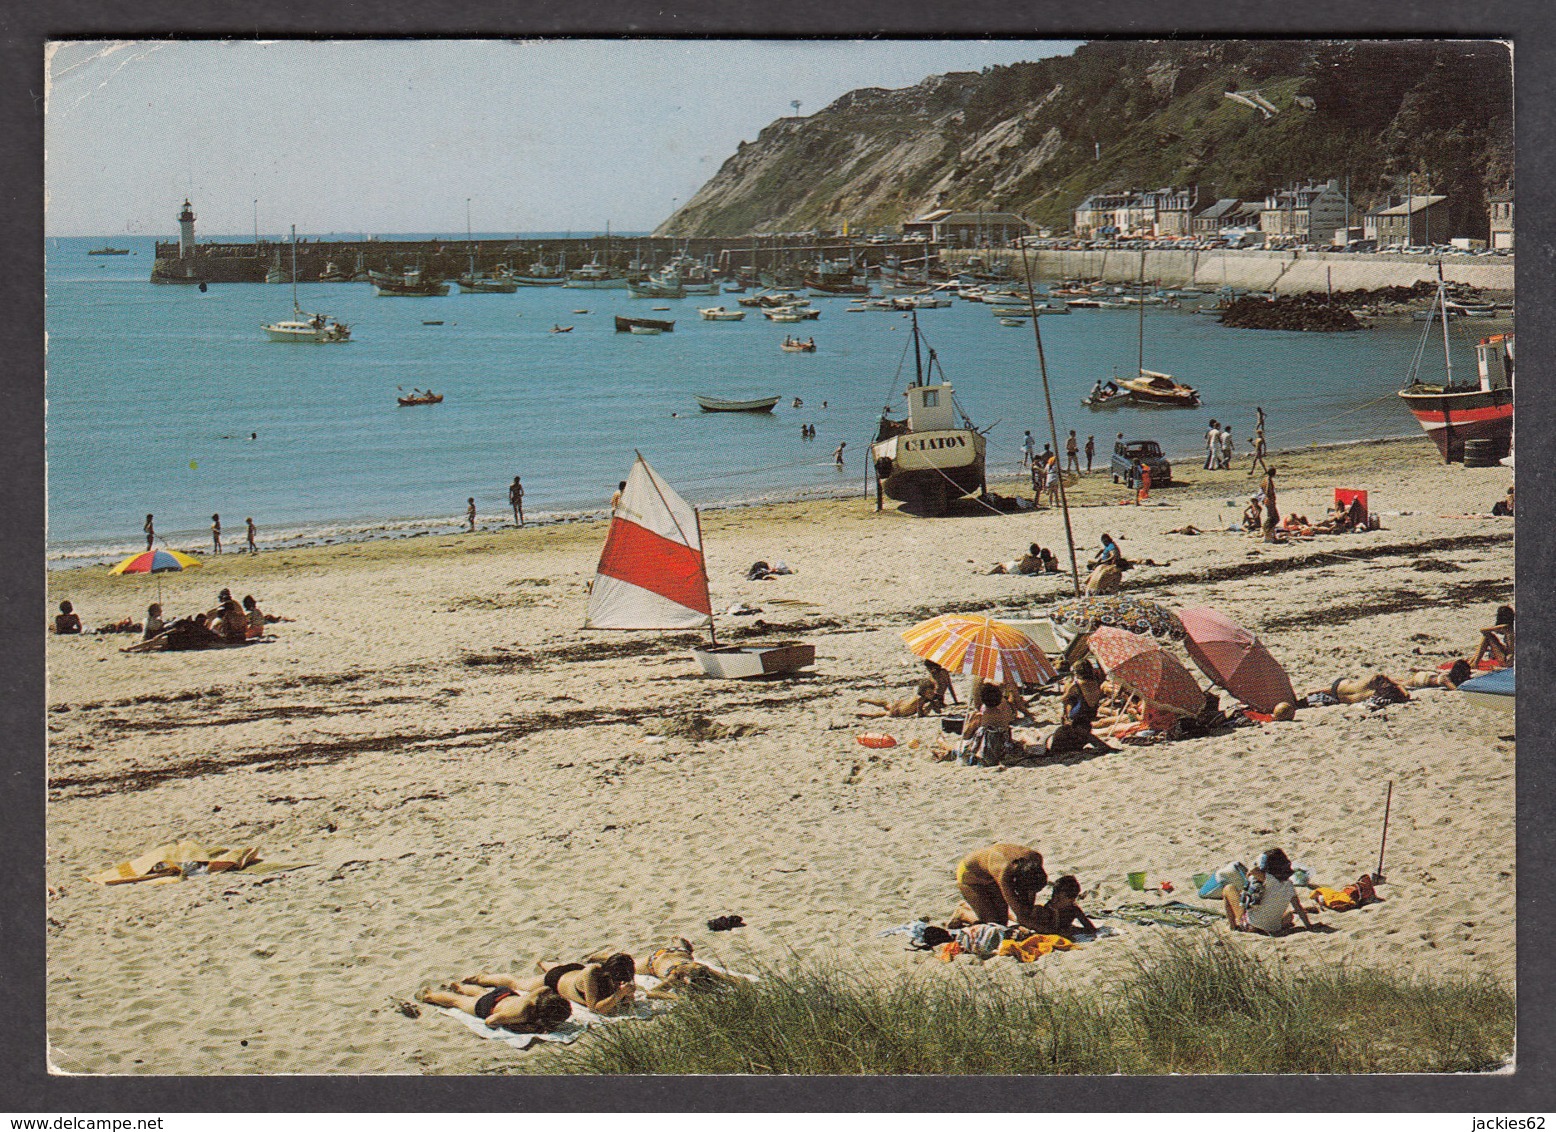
178, 859
1173, 914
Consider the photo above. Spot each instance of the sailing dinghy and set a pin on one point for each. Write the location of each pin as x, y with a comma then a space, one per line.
652, 576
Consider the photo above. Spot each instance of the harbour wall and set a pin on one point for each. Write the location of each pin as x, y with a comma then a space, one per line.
1284, 273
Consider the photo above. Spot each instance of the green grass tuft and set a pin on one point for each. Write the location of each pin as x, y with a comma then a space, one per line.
1186, 1006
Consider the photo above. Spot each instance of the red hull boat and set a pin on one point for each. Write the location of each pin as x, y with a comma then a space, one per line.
1452, 413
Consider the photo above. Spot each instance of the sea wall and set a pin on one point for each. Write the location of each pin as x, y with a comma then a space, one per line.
1285, 273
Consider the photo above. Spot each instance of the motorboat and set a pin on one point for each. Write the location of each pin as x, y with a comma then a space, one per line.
428, 398
1161, 390
1452, 411
626, 325
1108, 395
720, 405
720, 314
305, 326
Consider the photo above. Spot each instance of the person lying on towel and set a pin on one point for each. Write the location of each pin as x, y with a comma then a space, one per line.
599, 985
502, 1007
678, 970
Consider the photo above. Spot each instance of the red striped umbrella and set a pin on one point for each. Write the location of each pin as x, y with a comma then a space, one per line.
1234, 658
1148, 670
980, 646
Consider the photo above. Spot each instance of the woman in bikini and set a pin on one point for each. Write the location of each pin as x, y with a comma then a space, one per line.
1082, 699
915, 705
678, 970
1359, 689
502, 1007
986, 738
1001, 882
600, 985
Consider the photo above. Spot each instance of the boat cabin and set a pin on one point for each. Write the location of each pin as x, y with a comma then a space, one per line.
1494, 359
931, 408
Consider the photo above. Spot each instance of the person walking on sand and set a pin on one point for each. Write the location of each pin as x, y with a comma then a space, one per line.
1271, 514
1257, 440
1091, 451
1053, 481
616, 495
470, 513
252, 531
1028, 447
1226, 448
216, 533
1212, 435
516, 500
1072, 457
837, 456
151, 532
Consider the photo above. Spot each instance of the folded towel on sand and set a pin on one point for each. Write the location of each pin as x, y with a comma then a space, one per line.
178, 859
1173, 914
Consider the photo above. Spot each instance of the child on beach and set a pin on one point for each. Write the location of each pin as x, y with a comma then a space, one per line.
914, 706
216, 534
68, 621
252, 531
1063, 909
1261, 906
470, 513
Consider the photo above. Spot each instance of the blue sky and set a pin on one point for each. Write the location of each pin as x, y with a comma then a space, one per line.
394, 136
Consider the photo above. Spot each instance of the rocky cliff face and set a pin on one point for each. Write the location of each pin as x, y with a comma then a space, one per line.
1035, 138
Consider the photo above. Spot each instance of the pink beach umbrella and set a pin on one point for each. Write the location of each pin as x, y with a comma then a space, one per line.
1234, 658
1148, 670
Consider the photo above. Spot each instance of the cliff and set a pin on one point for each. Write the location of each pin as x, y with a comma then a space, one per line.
1035, 138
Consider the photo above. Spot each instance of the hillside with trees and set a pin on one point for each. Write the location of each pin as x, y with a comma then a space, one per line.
1036, 138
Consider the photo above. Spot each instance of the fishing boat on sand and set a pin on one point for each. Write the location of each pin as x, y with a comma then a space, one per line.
1454, 412
928, 460
652, 575
720, 405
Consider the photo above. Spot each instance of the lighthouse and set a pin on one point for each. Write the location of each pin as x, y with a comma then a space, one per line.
186, 232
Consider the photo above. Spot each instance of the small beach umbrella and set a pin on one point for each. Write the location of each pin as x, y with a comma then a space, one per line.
1233, 657
155, 562
1144, 667
1119, 611
979, 646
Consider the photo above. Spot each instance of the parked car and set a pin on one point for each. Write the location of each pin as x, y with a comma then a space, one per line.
1148, 452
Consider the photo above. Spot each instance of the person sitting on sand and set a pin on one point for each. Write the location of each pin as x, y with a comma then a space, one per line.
912, 707
68, 622
154, 623
1253, 519
999, 883
1107, 568
1063, 909
1012, 695
599, 985
256, 619
1503, 506
501, 1007
943, 688
1266, 904
1082, 699
1496, 642
986, 739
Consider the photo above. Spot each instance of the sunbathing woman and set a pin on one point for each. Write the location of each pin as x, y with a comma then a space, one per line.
1001, 882
1431, 678
986, 739
599, 986
678, 970
912, 707
1359, 689
533, 1012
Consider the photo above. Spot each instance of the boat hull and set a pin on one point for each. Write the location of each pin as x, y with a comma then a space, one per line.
615, 283
283, 332
488, 286
742, 662
717, 405
626, 325
930, 469
1451, 418
1494, 691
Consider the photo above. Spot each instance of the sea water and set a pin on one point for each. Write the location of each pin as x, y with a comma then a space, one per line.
168, 400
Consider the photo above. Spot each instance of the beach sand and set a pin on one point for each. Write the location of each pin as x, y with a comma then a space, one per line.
475, 782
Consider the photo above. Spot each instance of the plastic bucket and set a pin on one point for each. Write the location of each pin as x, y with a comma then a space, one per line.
1299, 878
1137, 881
1209, 887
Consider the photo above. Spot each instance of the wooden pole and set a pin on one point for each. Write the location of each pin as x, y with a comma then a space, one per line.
1377, 876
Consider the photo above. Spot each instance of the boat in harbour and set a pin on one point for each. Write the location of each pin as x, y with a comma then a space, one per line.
1160, 390
720, 405
652, 575
1453, 411
798, 345
656, 287
428, 398
1108, 395
108, 250
720, 314
411, 284
626, 325
646, 329
305, 326
929, 459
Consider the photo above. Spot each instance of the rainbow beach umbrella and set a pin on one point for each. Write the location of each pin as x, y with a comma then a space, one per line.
155, 562
980, 646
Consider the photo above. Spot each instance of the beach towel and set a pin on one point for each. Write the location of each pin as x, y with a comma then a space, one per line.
1034, 947
1173, 914
176, 860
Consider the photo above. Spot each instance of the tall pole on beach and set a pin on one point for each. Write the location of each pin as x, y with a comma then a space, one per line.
1053, 428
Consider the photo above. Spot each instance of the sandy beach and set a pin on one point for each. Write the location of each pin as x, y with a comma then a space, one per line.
474, 782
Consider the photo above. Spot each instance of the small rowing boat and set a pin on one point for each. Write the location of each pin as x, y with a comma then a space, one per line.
422, 399
719, 405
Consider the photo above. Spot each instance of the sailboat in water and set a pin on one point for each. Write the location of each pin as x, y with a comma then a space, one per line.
652, 576
303, 326
1148, 387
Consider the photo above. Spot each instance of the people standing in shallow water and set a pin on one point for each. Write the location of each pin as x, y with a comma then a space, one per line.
216, 534
151, 532
1001, 882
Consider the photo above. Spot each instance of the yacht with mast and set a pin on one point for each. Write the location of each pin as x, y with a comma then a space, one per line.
303, 326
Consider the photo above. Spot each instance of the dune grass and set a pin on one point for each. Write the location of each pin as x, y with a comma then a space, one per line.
1186, 1006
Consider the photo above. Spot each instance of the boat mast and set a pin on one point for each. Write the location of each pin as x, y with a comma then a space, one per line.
470, 240
918, 360
295, 307
702, 567
1442, 307
1139, 298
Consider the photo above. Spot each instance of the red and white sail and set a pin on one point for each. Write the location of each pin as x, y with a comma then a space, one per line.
651, 573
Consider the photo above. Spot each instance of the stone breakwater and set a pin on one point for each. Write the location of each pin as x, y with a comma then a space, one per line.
1284, 273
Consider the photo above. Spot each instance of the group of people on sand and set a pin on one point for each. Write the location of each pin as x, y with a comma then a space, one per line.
1496, 649
603, 983
251, 533
1000, 884
229, 622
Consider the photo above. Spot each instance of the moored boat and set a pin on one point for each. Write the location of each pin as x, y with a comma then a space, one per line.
1161, 390
428, 398
109, 250
720, 405
304, 326
928, 459
596, 276
646, 329
626, 325
411, 284
720, 314
1451, 411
